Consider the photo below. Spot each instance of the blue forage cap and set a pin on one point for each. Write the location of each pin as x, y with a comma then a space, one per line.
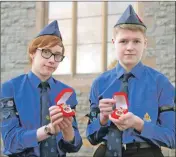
129, 17
51, 29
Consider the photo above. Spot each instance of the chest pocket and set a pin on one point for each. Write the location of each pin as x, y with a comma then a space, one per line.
146, 105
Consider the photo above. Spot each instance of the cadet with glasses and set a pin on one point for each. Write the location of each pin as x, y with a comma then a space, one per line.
47, 53
32, 124
150, 121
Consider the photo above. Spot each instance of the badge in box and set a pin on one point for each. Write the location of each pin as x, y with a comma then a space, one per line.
61, 99
121, 106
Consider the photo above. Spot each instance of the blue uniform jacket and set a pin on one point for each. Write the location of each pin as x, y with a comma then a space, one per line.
19, 132
148, 91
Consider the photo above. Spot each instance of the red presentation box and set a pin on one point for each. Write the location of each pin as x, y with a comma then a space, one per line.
121, 104
61, 99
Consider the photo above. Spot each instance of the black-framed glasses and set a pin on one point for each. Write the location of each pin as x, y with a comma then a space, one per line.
47, 53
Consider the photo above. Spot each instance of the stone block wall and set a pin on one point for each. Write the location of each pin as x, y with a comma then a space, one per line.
17, 29
160, 20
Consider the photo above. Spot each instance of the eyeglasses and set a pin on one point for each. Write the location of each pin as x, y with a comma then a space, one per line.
47, 53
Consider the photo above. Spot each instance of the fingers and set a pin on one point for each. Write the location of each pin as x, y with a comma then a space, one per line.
105, 101
57, 121
121, 124
105, 109
54, 110
120, 120
67, 122
57, 129
115, 121
63, 125
57, 118
121, 128
126, 116
56, 115
124, 122
105, 106
53, 107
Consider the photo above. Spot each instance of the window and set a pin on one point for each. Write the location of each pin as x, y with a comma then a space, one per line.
89, 37
91, 46
62, 11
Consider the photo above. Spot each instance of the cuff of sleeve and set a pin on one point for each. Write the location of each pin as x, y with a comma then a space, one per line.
71, 146
147, 130
30, 139
101, 133
95, 126
108, 124
69, 142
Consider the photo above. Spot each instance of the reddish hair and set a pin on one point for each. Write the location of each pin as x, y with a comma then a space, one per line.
45, 41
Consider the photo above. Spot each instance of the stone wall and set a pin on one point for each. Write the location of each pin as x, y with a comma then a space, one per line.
160, 20
17, 29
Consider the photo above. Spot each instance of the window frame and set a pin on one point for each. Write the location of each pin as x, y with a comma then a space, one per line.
42, 18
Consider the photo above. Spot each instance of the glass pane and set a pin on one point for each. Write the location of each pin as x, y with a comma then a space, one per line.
89, 37
60, 10
112, 57
89, 9
112, 19
118, 7
89, 30
89, 58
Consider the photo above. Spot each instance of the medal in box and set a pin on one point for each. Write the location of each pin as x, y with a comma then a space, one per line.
61, 99
121, 106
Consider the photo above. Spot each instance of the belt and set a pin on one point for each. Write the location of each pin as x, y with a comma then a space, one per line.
136, 145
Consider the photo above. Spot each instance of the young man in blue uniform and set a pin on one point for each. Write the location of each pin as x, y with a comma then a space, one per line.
150, 121
32, 124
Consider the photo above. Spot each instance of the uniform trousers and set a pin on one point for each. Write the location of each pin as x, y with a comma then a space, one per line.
143, 152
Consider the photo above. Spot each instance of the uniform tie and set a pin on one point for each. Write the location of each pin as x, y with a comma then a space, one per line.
48, 147
114, 141
44, 102
124, 79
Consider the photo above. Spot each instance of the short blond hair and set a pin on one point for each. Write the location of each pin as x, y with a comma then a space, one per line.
132, 27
